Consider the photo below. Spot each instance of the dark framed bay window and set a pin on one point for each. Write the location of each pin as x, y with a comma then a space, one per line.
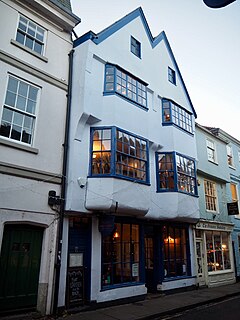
116, 152
173, 114
121, 255
176, 173
175, 251
121, 82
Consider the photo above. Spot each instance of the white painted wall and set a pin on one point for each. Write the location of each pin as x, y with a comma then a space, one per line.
91, 108
58, 41
23, 199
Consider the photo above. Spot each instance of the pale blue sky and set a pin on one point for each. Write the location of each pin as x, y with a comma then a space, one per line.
205, 43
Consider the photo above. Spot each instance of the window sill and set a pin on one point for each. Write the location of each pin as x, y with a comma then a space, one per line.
37, 55
170, 123
213, 212
121, 285
106, 93
178, 191
213, 273
177, 278
19, 146
119, 177
213, 162
232, 167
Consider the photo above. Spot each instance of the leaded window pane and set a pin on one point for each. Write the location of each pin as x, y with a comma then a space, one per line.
121, 255
177, 115
176, 173
125, 85
130, 161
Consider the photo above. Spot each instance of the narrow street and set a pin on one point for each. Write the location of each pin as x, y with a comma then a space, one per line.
225, 310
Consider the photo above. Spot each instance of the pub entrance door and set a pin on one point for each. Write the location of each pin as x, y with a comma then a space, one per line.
153, 256
79, 262
19, 266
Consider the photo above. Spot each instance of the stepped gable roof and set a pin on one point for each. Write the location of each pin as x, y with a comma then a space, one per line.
154, 41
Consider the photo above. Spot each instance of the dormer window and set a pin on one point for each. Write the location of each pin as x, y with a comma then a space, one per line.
136, 47
171, 76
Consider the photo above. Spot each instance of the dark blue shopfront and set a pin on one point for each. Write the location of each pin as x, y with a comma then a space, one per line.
79, 261
133, 252
137, 252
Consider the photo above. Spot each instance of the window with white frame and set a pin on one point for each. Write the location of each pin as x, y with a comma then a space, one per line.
211, 151
136, 47
218, 254
171, 76
31, 35
230, 155
234, 194
126, 85
19, 110
239, 155
210, 195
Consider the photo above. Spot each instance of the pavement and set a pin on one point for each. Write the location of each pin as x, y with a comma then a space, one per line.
154, 306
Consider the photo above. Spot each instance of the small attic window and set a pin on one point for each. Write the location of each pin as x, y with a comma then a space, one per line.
135, 47
171, 75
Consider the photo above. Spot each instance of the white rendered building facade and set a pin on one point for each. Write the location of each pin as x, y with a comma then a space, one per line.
35, 43
131, 193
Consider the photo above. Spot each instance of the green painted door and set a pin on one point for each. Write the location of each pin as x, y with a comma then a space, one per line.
19, 266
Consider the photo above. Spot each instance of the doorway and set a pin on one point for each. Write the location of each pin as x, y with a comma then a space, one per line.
152, 248
19, 266
200, 263
79, 262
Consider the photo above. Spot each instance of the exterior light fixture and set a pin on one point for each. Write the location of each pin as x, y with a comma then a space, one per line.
217, 3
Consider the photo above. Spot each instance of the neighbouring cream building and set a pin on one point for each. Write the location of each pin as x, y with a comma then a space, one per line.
35, 43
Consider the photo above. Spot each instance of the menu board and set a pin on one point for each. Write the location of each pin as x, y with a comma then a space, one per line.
75, 285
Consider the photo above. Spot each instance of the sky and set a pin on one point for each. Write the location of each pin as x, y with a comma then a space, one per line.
204, 41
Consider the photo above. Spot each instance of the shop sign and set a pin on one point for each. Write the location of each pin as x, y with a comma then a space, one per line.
76, 259
213, 226
75, 286
232, 208
135, 271
106, 225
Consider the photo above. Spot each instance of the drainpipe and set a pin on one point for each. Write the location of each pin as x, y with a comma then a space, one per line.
63, 185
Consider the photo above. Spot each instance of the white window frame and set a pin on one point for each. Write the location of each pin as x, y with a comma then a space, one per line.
34, 38
212, 195
230, 156
211, 146
17, 111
